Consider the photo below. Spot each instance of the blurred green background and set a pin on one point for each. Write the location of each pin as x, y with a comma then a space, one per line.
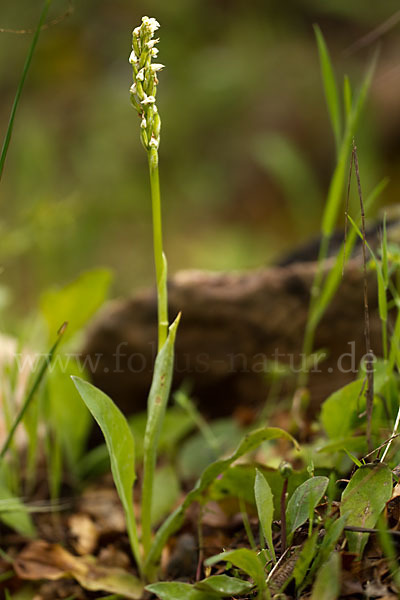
246, 152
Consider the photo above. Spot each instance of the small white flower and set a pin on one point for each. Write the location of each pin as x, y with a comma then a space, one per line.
133, 58
140, 75
156, 67
151, 23
151, 43
153, 142
133, 88
154, 52
148, 100
143, 123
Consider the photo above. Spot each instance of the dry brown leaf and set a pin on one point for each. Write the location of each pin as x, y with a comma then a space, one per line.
41, 560
84, 532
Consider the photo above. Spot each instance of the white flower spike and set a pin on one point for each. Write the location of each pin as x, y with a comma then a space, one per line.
145, 81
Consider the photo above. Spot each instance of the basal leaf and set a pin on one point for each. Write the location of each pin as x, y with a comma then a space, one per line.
121, 448
174, 590
265, 509
223, 585
363, 501
244, 559
303, 501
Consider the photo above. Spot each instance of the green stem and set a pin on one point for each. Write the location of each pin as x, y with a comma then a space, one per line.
18, 93
159, 257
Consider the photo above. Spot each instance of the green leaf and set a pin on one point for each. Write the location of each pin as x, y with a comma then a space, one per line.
334, 199
305, 557
338, 410
171, 590
330, 87
364, 499
121, 448
175, 520
328, 581
14, 513
304, 500
223, 585
68, 414
76, 302
265, 509
157, 405
244, 559
333, 531
166, 492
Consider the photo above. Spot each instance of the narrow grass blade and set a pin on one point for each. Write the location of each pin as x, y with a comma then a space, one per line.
121, 448
37, 381
330, 87
157, 404
17, 98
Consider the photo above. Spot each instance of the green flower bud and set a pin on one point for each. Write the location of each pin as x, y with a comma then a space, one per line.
285, 469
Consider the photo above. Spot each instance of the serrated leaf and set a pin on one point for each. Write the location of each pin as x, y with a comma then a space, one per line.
303, 501
363, 501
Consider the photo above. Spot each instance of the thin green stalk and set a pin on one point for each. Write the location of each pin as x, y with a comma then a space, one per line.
159, 257
32, 392
18, 93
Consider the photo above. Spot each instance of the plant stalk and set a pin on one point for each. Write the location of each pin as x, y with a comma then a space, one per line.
159, 257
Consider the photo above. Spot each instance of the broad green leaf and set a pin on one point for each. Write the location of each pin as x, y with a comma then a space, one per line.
121, 448
174, 590
328, 581
157, 405
265, 509
304, 559
244, 559
223, 585
14, 513
175, 520
330, 87
364, 499
338, 411
76, 302
303, 501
